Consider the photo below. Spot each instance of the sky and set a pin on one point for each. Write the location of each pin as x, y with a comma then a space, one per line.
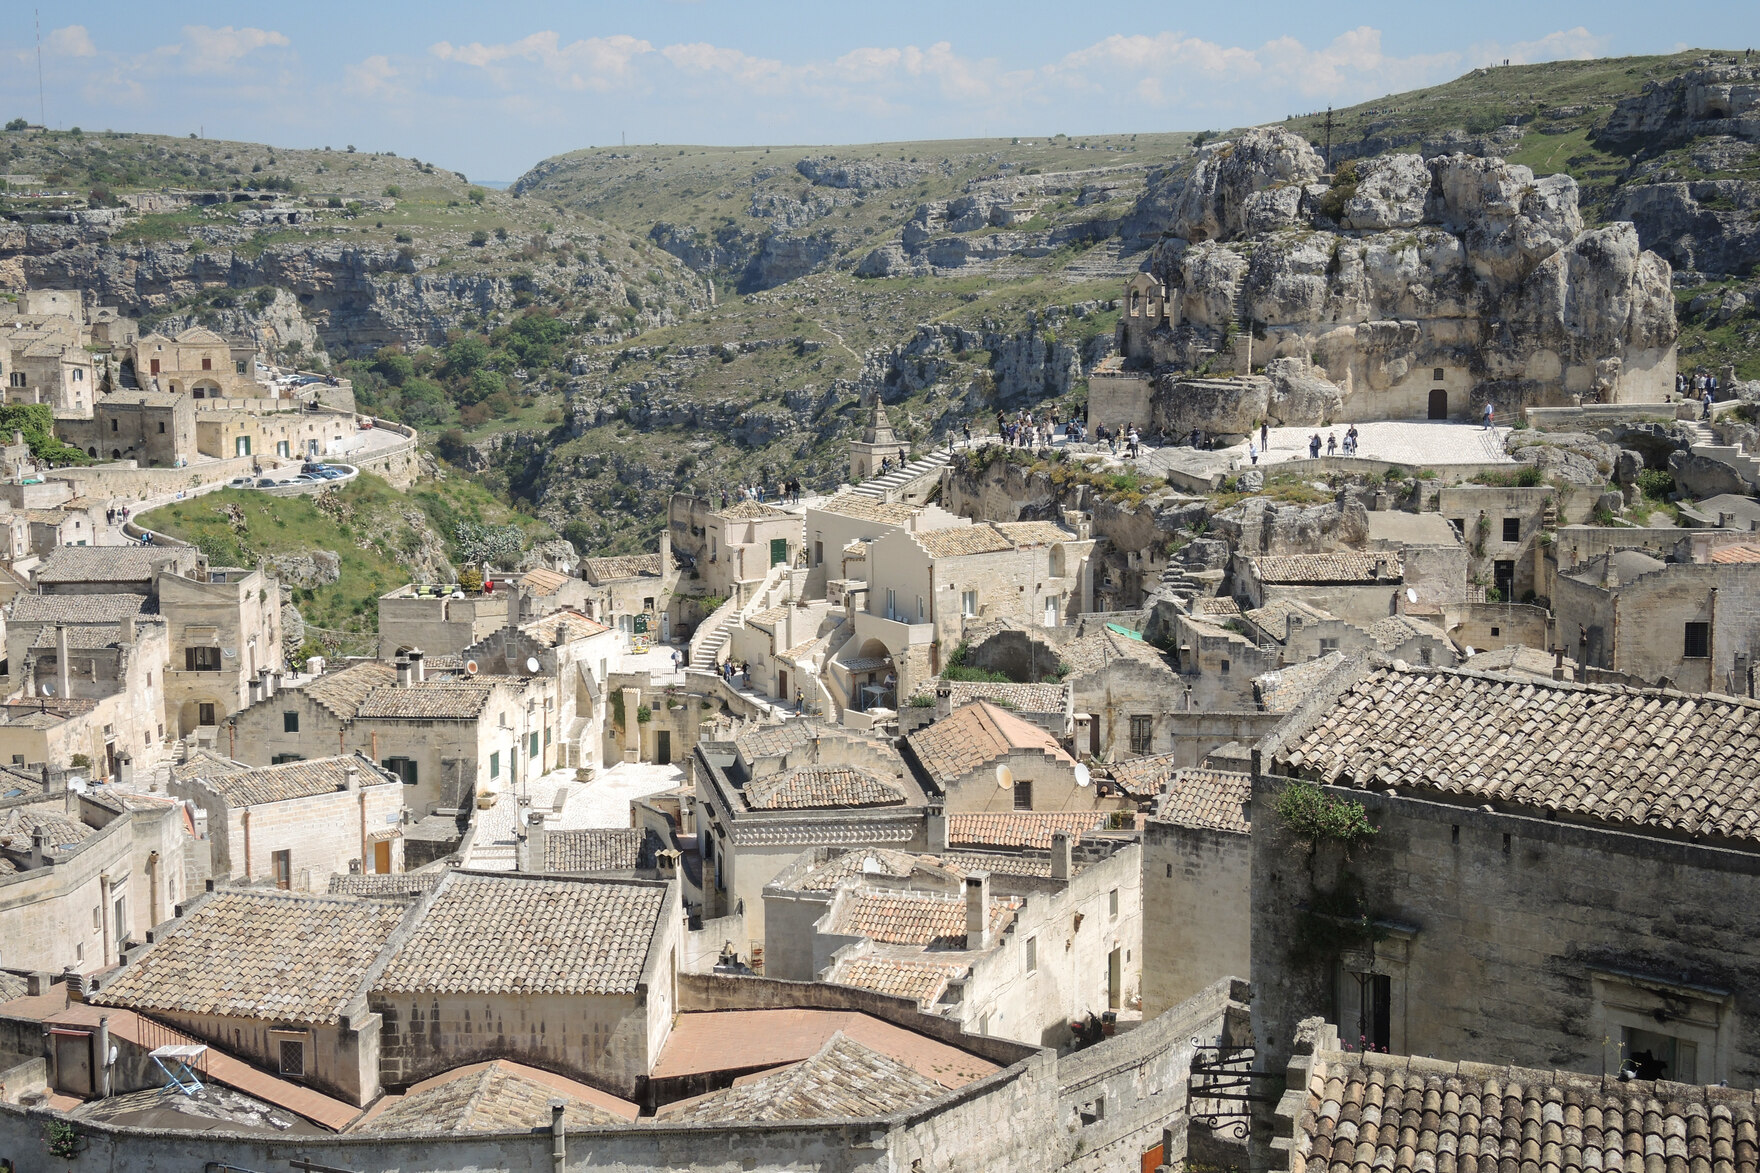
490, 89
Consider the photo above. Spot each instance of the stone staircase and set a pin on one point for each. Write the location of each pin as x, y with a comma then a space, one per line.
709, 644
1703, 441
1107, 259
884, 487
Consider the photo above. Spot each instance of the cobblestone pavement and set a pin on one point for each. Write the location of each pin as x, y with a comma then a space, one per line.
1411, 442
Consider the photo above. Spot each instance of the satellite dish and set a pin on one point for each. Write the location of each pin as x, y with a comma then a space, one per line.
1411, 595
1470, 651
1083, 778
1004, 777
470, 667
49, 690
532, 664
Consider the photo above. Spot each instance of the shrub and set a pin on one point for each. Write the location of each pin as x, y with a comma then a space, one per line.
479, 238
1314, 816
1655, 484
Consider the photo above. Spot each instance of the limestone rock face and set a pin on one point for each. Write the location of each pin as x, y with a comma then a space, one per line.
313, 568
556, 554
1210, 405
1712, 227
293, 628
1261, 526
1627, 465
1216, 201
1300, 394
1391, 193
1700, 476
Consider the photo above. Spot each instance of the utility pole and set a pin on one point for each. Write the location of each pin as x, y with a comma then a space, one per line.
1329, 140
42, 109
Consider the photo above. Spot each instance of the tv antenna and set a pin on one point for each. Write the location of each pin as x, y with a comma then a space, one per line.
42, 109
1329, 140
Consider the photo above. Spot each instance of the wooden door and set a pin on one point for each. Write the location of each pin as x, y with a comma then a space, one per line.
1438, 403
382, 857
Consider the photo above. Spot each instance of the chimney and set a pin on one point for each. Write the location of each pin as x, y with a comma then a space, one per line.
403, 672
978, 911
1060, 856
256, 690
1558, 663
127, 630
17, 438
268, 678
936, 825
532, 849
351, 777
417, 673
39, 856
61, 673
665, 551
943, 701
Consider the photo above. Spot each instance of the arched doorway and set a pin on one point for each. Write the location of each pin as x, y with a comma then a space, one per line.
1438, 403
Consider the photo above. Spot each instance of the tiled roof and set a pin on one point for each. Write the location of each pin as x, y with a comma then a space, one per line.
1020, 828
254, 954
1391, 632
18, 824
17, 782
768, 741
12, 986
67, 564
1273, 617
705, 1042
816, 787
902, 977
750, 511
1340, 566
871, 861
1212, 799
844, 1080
1516, 660
1398, 1114
862, 507
1034, 533
769, 617
505, 935
341, 692
450, 700
393, 885
1218, 606
1733, 554
1100, 650
1639, 758
200, 336
85, 636
498, 1096
958, 540
290, 780
31, 608
557, 628
975, 735
1282, 689
1025, 698
618, 566
912, 918
539, 581
600, 849
205, 763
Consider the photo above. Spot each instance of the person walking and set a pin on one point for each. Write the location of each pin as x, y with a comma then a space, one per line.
1331, 443
1314, 446
1264, 436
1252, 452
1490, 415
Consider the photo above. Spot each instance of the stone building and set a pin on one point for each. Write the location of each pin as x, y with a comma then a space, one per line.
572, 652
285, 435
1359, 586
840, 528
620, 589
107, 684
1301, 632
197, 363
442, 619
733, 545
225, 639
984, 758
83, 873
1197, 878
295, 824
879, 444
1010, 945
1504, 908
155, 429
448, 740
1694, 625
776, 790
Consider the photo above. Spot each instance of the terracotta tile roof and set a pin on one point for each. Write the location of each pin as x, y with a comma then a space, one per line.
1220, 606
1283, 689
85, 636
255, 954
399, 884
960, 540
70, 564
845, 1080
450, 700
1273, 617
903, 977
750, 511
557, 628
1637, 758
862, 507
817, 787
18, 824
704, 1042
873, 861
32, 608
19, 782
1340, 566
539, 581
1020, 828
289, 781
975, 735
1212, 799
1034, 533
341, 692
12, 986
1401, 1114
205, 763
601, 849
911, 918
504, 935
499, 1096
768, 741
1100, 650
1391, 632
618, 566
1732, 554
963, 863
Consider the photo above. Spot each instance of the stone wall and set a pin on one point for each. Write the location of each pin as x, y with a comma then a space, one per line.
1638, 627
1196, 910
1486, 627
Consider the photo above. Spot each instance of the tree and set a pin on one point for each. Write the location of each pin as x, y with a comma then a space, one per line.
17, 124
394, 365
393, 191
479, 238
465, 354
37, 422
478, 195
481, 385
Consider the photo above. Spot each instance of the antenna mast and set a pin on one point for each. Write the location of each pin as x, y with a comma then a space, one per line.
42, 110
1329, 140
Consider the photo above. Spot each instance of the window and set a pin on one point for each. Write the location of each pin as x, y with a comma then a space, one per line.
1328, 644
113, 426
968, 603
241, 446
290, 722
282, 758
1224, 668
1657, 1030
282, 864
1436, 375
1023, 795
79, 376
1112, 904
891, 603
205, 713
1142, 734
201, 659
161, 427
293, 1057
1032, 955
282, 448
1512, 529
404, 768
546, 735
1365, 1005
495, 764
1460, 526
818, 553
119, 917
533, 752
1698, 641
921, 613
238, 367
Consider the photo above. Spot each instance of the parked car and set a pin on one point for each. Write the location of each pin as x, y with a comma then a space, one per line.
267, 483
241, 483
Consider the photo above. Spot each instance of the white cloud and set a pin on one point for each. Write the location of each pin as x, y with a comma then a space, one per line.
374, 77
1577, 44
225, 45
72, 41
592, 63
